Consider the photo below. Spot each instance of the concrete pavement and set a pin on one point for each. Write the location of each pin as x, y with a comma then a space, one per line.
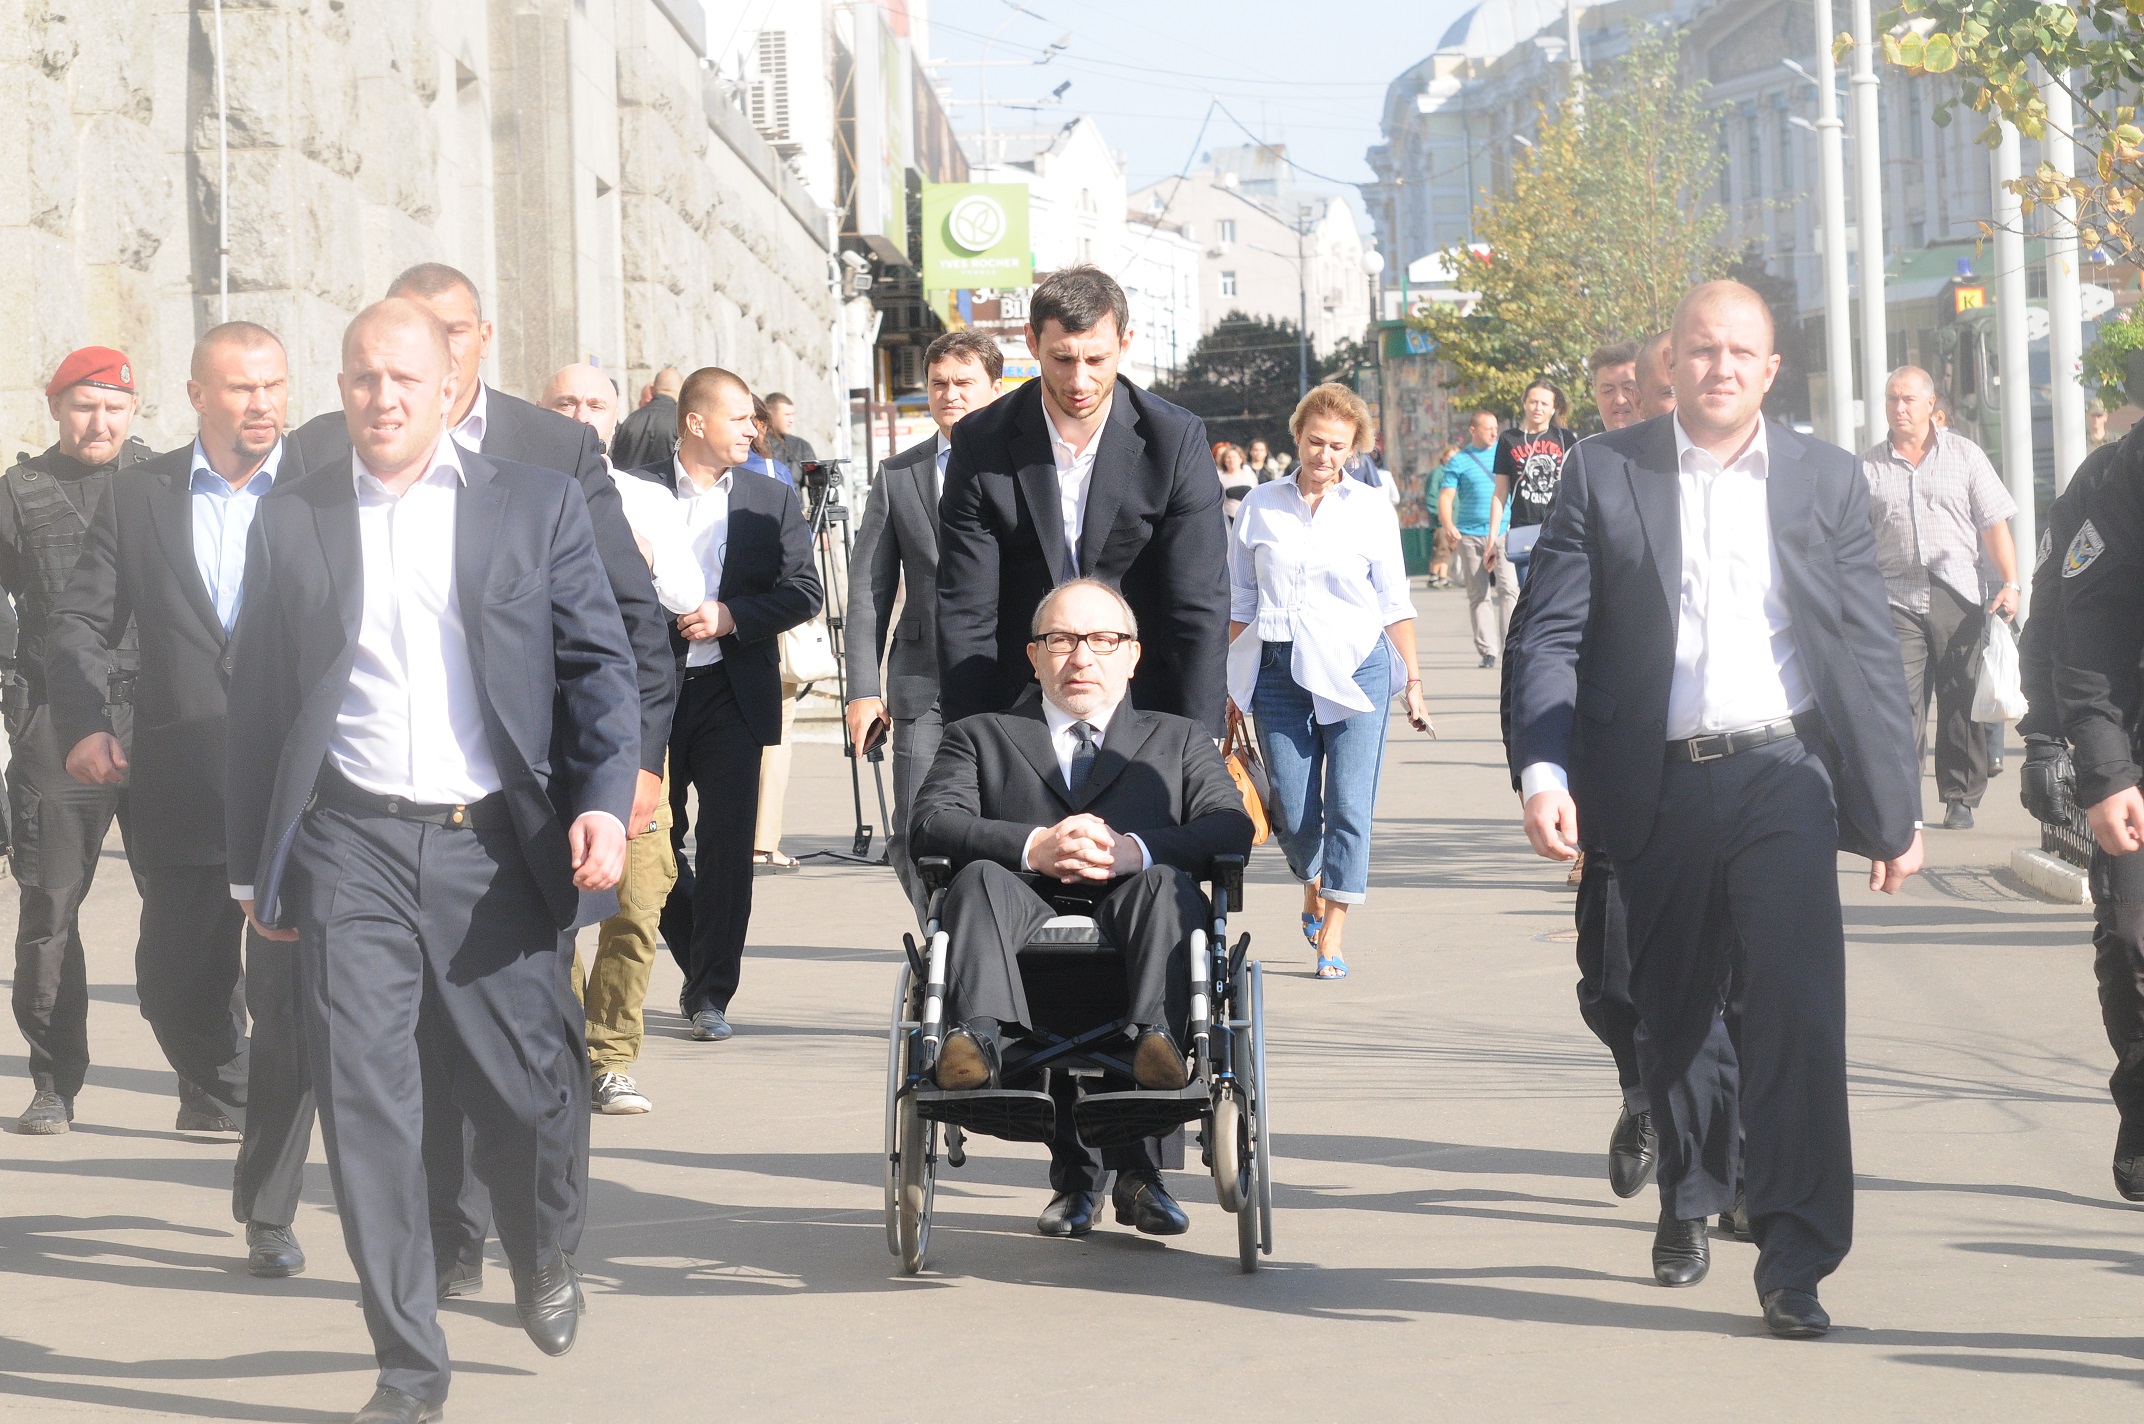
1446, 1241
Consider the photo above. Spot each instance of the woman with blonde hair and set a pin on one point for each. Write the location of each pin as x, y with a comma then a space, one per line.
1321, 631
1236, 478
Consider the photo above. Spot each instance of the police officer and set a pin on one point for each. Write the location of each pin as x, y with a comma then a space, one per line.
46, 502
2082, 690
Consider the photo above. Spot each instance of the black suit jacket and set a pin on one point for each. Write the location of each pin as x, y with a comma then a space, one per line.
1157, 776
525, 434
1592, 659
555, 686
897, 544
647, 437
1153, 527
769, 584
139, 563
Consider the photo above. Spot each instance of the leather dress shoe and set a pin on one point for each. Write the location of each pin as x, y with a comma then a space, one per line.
47, 1115
968, 1059
1632, 1150
460, 1278
1734, 1222
551, 1305
1681, 1254
198, 1112
1157, 1063
1145, 1204
1795, 1315
272, 1252
392, 1406
2128, 1163
709, 1026
1069, 1214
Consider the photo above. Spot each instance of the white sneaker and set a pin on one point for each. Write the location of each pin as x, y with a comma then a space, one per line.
616, 1093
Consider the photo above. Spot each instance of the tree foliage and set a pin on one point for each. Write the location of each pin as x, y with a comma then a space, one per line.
1993, 47
1242, 379
1610, 218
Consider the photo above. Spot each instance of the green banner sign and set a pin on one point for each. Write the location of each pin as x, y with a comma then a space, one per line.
975, 235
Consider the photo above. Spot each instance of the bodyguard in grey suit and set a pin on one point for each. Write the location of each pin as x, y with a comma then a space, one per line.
897, 555
434, 740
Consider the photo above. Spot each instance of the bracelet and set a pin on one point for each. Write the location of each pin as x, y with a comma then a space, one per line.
1412, 682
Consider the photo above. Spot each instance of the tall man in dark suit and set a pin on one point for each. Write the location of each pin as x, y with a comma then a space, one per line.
1082, 473
167, 555
755, 550
433, 740
1077, 799
1708, 688
492, 423
897, 553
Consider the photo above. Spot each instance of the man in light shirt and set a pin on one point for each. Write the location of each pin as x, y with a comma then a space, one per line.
1707, 687
616, 983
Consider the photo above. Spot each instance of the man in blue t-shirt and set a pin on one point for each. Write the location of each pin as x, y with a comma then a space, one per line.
1472, 522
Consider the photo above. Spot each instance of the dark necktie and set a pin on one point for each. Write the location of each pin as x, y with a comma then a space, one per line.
1083, 756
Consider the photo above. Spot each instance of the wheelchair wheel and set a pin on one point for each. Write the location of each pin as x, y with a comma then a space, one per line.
1254, 1211
918, 1185
896, 1074
1261, 1112
1225, 1143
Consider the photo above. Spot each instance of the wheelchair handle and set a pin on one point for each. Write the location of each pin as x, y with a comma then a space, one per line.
1227, 875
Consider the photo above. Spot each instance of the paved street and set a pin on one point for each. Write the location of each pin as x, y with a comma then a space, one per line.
1446, 1240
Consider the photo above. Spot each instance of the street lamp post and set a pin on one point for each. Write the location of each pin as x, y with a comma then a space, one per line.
1373, 266
1868, 212
2065, 309
1302, 294
2014, 368
1831, 181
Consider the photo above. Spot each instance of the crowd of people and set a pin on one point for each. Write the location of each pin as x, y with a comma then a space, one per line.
391, 705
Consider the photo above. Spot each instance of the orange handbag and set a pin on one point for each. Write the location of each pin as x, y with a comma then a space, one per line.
1248, 770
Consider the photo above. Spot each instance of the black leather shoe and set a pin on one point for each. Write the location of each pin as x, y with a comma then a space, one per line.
1069, 1214
1144, 1204
1157, 1063
461, 1278
1681, 1254
968, 1059
1632, 1150
551, 1306
47, 1115
272, 1251
2128, 1163
1795, 1315
1957, 816
1734, 1222
392, 1406
198, 1112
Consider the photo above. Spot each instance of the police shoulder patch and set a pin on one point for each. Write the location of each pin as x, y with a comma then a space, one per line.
2047, 547
2084, 549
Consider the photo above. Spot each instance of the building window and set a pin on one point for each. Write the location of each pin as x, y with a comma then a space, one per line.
1086, 249
1228, 284
1227, 227
1753, 177
1785, 163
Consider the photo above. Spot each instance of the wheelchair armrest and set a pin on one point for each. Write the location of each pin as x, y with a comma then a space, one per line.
1227, 876
937, 872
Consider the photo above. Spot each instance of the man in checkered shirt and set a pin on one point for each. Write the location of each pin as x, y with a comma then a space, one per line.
1936, 502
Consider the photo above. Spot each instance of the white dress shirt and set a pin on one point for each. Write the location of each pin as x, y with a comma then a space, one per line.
410, 724
1075, 473
470, 433
1328, 580
222, 517
945, 448
1736, 663
1064, 744
707, 526
652, 513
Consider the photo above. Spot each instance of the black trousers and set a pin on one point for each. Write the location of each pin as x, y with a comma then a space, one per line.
59, 827
714, 752
424, 949
1604, 973
1745, 853
270, 1175
1942, 652
2118, 964
991, 912
188, 971
915, 746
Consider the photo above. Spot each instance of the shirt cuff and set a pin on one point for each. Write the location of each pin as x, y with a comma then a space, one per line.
1146, 857
1542, 776
1027, 848
242, 892
606, 816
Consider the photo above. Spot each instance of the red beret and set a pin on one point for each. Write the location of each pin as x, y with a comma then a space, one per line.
94, 366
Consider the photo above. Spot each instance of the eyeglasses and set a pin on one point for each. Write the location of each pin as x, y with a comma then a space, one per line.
1063, 643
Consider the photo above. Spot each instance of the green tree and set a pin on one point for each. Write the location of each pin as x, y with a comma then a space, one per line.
1611, 216
1241, 378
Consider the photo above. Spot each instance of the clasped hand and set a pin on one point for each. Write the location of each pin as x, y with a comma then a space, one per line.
1082, 847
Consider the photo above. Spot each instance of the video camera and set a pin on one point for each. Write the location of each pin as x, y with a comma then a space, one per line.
822, 482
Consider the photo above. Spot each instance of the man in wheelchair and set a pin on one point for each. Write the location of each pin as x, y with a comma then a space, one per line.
1076, 802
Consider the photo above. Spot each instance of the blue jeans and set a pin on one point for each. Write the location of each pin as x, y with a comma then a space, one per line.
1324, 776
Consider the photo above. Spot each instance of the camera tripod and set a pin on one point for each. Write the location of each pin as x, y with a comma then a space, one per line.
821, 483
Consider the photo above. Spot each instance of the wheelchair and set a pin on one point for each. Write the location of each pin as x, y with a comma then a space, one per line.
1073, 983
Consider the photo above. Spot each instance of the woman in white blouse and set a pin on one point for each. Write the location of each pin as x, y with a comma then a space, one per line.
1321, 632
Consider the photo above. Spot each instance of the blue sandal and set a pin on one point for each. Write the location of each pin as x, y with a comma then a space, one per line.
1312, 924
1331, 962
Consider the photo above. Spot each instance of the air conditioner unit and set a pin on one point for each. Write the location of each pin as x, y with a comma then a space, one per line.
767, 93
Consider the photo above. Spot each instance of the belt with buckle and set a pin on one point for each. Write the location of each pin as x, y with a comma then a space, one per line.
1712, 746
490, 813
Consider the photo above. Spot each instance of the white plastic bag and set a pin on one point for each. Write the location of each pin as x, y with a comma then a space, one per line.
1999, 695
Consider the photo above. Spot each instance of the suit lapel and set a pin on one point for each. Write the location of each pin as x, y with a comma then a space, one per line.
477, 508
1031, 734
1655, 489
925, 474
171, 512
1038, 484
1116, 455
1788, 497
335, 518
1128, 732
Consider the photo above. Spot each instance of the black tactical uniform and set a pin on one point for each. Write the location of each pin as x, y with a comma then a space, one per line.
58, 824
2080, 666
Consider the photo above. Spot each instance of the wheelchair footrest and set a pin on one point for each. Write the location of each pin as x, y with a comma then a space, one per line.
1008, 1113
1120, 1119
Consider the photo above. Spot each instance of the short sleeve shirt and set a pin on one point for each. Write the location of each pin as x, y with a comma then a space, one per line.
1533, 464
1928, 517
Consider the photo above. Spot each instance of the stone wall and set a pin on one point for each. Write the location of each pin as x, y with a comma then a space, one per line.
365, 135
